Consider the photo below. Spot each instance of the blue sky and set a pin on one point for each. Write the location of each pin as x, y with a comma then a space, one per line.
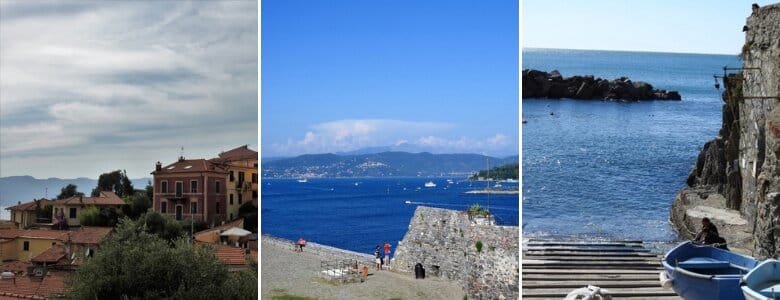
437, 76
659, 26
91, 87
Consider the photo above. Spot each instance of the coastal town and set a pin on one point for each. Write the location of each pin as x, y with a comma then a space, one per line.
207, 203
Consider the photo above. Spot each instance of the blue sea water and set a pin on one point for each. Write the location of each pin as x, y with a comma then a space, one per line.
610, 169
337, 212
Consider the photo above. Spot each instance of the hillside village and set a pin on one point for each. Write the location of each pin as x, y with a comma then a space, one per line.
210, 204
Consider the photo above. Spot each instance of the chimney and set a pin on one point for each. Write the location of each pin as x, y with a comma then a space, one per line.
67, 247
81, 199
158, 166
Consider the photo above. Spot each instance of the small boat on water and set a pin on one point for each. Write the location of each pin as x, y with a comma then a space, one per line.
498, 185
697, 271
449, 181
510, 180
763, 282
430, 184
357, 183
408, 202
303, 180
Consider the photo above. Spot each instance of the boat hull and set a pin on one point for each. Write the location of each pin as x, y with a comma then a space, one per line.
705, 272
763, 282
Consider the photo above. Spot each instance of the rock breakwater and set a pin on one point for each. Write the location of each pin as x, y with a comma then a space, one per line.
552, 85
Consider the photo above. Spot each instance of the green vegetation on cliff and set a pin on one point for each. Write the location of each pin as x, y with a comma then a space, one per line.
509, 171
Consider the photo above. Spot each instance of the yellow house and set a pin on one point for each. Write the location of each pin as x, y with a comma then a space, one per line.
67, 210
241, 163
24, 245
25, 214
28, 244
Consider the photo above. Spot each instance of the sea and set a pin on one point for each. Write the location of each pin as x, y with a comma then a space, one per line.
611, 170
360, 213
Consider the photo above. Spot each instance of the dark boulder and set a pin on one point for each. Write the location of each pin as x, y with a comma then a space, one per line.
540, 84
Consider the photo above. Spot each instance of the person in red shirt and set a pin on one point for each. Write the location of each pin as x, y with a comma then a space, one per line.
301, 244
387, 253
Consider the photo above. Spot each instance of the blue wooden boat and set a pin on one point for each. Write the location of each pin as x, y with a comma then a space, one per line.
696, 271
763, 282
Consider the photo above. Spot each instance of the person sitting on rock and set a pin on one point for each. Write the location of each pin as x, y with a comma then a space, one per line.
709, 235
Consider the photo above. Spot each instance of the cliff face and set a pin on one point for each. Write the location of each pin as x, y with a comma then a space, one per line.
444, 242
741, 164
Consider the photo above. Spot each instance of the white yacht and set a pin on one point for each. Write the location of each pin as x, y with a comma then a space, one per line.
430, 184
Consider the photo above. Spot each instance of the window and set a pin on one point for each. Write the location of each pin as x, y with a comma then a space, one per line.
240, 176
194, 208
254, 194
216, 187
164, 207
179, 188
164, 186
254, 178
239, 199
26, 246
193, 186
217, 205
73, 212
231, 216
231, 177
231, 199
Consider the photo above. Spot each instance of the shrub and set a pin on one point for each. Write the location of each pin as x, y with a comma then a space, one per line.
479, 246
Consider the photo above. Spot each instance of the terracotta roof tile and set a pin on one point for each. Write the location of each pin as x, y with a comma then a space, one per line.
239, 153
18, 267
31, 287
30, 206
190, 165
105, 198
230, 255
89, 235
52, 255
33, 233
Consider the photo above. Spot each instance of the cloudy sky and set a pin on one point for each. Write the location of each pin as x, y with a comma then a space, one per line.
438, 76
90, 87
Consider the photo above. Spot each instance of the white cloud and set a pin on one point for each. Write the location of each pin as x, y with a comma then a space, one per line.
124, 77
401, 135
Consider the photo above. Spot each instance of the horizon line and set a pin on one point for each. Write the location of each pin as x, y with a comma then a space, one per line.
636, 51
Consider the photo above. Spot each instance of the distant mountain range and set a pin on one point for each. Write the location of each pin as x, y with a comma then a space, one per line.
24, 188
384, 164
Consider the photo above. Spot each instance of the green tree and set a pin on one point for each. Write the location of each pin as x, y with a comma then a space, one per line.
103, 216
137, 204
68, 191
89, 216
249, 212
116, 182
163, 226
135, 264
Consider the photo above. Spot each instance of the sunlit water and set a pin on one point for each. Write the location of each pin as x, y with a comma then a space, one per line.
610, 170
359, 214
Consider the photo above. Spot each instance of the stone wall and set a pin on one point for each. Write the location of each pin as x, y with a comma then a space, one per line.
742, 162
444, 241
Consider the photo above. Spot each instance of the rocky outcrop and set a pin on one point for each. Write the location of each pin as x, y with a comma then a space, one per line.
741, 164
445, 243
539, 84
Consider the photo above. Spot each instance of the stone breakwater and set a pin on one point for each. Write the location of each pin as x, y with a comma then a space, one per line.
540, 84
445, 243
741, 165
323, 251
